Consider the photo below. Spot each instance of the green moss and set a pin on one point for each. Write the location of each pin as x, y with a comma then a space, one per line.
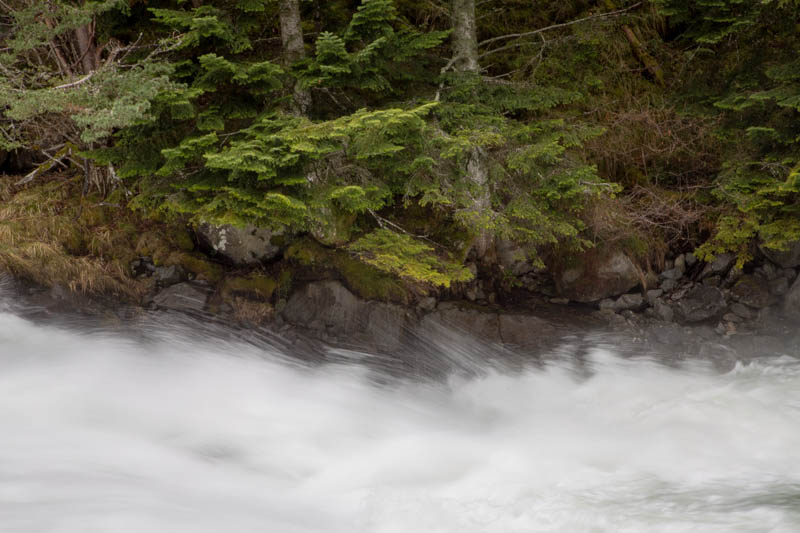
183, 240
153, 244
365, 280
202, 268
307, 252
254, 285
409, 258
284, 283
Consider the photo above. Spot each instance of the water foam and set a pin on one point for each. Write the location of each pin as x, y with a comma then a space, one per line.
107, 434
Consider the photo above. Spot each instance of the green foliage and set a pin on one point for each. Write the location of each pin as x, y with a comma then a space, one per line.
757, 91
44, 104
409, 258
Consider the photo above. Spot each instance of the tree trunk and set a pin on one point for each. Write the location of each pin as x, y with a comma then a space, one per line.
293, 48
87, 48
465, 59
465, 36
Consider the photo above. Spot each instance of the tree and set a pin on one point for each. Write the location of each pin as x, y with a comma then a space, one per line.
294, 47
63, 91
476, 167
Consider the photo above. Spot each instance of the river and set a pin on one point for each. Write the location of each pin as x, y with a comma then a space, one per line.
103, 430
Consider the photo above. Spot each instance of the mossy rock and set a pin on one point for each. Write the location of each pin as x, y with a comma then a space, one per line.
160, 245
153, 244
363, 279
307, 252
256, 285
202, 268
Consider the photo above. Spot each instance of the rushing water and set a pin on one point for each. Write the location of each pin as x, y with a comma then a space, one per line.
102, 432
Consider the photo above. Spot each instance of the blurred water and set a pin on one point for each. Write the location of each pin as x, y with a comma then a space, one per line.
182, 433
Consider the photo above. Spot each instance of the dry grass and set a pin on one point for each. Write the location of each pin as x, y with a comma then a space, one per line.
46, 238
648, 222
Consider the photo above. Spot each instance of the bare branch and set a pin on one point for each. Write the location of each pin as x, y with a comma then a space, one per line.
553, 27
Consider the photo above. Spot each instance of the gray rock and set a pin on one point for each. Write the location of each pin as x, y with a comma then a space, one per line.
672, 273
241, 246
670, 334
331, 227
768, 271
733, 275
170, 275
453, 319
186, 296
608, 303
732, 317
752, 291
701, 303
427, 304
663, 311
789, 258
742, 311
653, 295
720, 265
633, 302
791, 302
668, 285
779, 286
713, 281
690, 259
597, 276
680, 263
513, 258
611, 318
329, 306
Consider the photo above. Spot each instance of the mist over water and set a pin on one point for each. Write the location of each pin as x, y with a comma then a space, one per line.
103, 432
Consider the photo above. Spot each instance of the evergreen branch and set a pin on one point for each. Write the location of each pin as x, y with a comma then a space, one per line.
551, 27
383, 222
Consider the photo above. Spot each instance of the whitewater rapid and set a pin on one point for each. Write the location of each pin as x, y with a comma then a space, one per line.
103, 432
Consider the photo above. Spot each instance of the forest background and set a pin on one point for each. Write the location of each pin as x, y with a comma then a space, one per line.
415, 136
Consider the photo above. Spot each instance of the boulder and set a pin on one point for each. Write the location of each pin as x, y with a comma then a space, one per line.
634, 302
719, 266
791, 302
169, 275
789, 258
742, 311
598, 275
183, 297
779, 286
653, 295
331, 227
680, 263
513, 258
663, 311
752, 291
328, 306
241, 246
672, 273
452, 323
701, 302
461, 320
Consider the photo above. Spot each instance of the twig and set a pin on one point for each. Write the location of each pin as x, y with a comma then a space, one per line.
551, 27
383, 222
74, 83
442, 72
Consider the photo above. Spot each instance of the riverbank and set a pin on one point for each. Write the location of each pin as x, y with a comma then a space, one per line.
95, 257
